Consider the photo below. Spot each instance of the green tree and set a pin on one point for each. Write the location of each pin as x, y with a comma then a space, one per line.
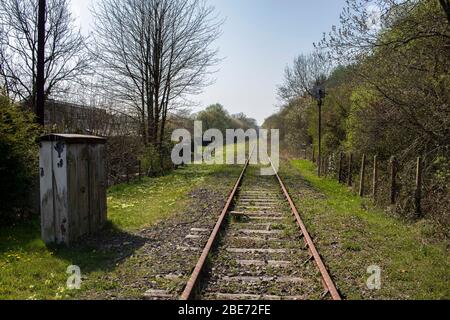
18, 159
241, 121
215, 117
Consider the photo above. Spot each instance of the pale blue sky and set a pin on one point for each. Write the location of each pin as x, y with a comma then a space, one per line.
260, 37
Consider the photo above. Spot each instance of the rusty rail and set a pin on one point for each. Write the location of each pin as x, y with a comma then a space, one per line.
190, 287
326, 278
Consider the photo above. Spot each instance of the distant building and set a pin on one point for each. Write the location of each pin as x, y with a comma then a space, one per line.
65, 117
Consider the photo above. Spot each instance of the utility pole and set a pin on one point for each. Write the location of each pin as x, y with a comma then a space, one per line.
40, 77
319, 94
319, 156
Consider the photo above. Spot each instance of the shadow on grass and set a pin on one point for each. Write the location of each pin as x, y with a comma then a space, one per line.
100, 252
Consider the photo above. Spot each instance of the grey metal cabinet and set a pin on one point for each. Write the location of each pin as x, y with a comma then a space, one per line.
73, 186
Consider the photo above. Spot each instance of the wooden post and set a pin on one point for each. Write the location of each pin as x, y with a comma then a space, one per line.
340, 169
393, 180
319, 163
418, 194
306, 152
331, 162
322, 166
107, 177
140, 170
313, 154
350, 170
375, 178
327, 165
362, 176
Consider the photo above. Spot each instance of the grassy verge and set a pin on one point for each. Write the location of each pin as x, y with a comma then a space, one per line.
142, 204
31, 270
239, 150
352, 235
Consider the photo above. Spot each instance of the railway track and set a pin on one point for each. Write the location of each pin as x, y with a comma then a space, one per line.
259, 248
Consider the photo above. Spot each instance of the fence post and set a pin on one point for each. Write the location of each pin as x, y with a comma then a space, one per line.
350, 170
341, 162
319, 163
324, 161
107, 173
140, 170
393, 179
375, 177
418, 194
320, 166
327, 166
362, 176
313, 154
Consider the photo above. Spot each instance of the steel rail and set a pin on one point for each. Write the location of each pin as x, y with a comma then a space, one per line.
326, 278
191, 284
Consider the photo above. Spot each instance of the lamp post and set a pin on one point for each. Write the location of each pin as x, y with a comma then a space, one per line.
40, 77
319, 95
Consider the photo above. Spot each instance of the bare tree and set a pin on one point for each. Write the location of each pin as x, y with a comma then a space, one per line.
66, 58
153, 53
306, 73
398, 59
363, 22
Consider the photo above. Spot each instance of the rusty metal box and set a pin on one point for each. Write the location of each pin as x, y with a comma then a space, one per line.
72, 187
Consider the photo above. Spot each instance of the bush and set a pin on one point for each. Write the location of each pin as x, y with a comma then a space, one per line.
157, 161
18, 160
126, 153
123, 153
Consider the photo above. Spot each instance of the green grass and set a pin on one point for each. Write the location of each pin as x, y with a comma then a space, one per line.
352, 235
31, 270
236, 149
142, 204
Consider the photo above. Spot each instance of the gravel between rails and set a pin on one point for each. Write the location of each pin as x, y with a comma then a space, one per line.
261, 259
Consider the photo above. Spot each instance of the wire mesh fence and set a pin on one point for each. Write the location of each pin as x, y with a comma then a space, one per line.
407, 187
